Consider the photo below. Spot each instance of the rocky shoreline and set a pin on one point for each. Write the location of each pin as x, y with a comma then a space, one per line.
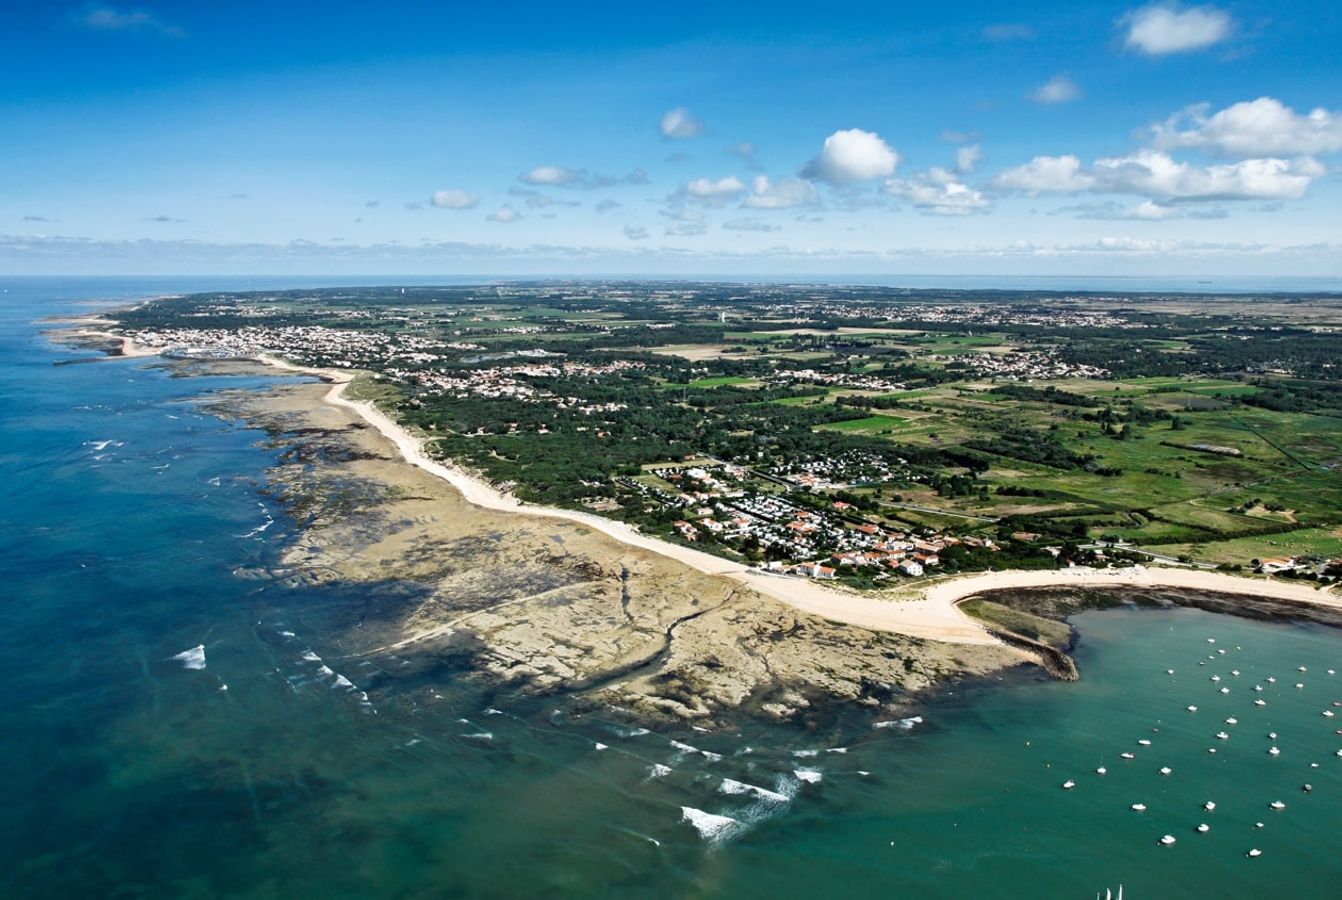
552, 607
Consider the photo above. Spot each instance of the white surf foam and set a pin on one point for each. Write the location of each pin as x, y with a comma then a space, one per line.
732, 786
308, 655
657, 770
710, 827
343, 682
193, 658
810, 776
902, 724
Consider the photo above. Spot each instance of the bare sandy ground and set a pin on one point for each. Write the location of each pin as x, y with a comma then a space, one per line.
953, 590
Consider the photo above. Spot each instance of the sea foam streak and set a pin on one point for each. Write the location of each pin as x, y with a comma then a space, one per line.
193, 658
903, 724
709, 826
810, 776
732, 786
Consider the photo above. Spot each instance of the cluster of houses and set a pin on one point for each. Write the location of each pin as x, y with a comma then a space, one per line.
853, 380
803, 541
1023, 365
972, 314
839, 471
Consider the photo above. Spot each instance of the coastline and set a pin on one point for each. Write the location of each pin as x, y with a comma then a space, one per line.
928, 610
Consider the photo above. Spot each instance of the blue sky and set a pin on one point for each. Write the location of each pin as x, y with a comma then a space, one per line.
982, 138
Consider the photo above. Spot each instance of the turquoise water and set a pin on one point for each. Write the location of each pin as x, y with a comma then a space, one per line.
126, 772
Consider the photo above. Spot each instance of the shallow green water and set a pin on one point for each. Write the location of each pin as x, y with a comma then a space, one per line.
127, 773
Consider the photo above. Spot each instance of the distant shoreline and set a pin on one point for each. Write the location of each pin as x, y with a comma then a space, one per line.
927, 610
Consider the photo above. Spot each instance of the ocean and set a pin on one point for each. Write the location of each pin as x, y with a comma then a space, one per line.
177, 725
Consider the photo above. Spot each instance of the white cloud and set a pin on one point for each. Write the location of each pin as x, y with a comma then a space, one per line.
749, 224
104, 17
1156, 174
785, 194
1008, 31
1046, 174
746, 151
558, 176
967, 158
938, 192
715, 188
1262, 127
454, 199
1164, 28
607, 205
1058, 89
686, 229
504, 214
852, 155
679, 125
635, 232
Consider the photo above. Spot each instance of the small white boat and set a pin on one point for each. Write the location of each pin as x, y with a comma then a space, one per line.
1101, 770
1130, 756
1139, 807
1258, 687
1273, 751
1260, 703
1225, 690
1299, 685
1235, 672
1327, 713
1332, 671
1232, 721
1211, 640
1192, 709
1068, 784
1272, 735
1169, 671
1216, 678
1254, 853
1307, 788
1271, 680
1222, 736
1277, 804
1167, 840
1145, 742
1165, 770
1204, 828
1211, 749
1221, 652
1209, 806
1301, 669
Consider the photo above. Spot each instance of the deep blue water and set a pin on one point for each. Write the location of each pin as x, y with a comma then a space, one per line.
128, 518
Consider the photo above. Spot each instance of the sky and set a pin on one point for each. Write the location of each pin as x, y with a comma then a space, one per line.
686, 139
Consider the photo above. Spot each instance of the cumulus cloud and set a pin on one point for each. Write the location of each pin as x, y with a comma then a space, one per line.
1058, 89
746, 151
558, 176
783, 194
635, 232
850, 156
679, 125
1262, 127
1146, 211
967, 158
104, 17
938, 192
1164, 28
504, 214
1157, 175
686, 229
1008, 31
715, 189
749, 224
1046, 174
454, 198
